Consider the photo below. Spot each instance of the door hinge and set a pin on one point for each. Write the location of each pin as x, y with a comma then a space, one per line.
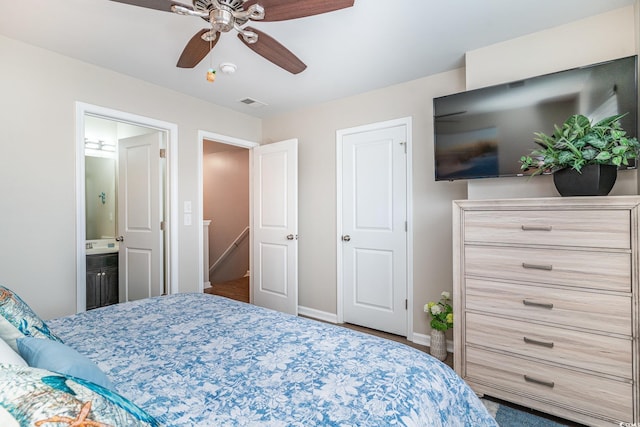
406, 304
163, 153
404, 144
406, 226
161, 225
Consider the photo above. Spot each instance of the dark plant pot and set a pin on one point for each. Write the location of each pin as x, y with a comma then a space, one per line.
595, 180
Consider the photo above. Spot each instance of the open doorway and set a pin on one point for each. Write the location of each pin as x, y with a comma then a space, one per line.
109, 134
211, 147
273, 215
225, 173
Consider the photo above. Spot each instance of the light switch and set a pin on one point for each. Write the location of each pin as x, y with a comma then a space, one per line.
187, 219
187, 206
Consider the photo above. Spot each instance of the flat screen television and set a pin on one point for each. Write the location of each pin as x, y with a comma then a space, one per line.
482, 133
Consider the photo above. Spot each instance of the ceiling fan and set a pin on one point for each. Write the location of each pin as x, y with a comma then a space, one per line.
225, 15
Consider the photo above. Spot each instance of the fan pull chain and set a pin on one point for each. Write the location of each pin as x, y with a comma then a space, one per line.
211, 73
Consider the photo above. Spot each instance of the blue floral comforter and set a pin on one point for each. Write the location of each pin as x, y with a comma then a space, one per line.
202, 360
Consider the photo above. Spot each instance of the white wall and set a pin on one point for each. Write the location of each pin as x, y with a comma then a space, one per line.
608, 36
37, 168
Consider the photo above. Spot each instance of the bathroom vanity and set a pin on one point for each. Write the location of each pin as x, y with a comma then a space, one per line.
102, 280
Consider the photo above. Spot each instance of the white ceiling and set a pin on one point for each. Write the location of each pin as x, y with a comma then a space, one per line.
374, 44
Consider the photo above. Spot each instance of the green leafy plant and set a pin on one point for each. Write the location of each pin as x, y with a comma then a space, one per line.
578, 143
441, 312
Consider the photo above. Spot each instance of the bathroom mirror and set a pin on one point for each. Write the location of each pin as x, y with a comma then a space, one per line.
100, 197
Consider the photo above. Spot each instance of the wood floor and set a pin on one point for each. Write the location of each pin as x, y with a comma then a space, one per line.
238, 289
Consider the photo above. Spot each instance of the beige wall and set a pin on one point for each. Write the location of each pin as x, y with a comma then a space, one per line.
226, 204
316, 127
600, 38
595, 39
316, 130
37, 168
637, 40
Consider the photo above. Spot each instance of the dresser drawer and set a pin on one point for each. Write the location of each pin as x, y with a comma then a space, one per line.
562, 387
581, 228
561, 306
577, 349
595, 270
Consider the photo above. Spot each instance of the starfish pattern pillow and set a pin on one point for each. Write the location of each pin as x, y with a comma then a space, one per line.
37, 397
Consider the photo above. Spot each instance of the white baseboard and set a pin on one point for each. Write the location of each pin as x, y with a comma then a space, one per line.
420, 339
318, 314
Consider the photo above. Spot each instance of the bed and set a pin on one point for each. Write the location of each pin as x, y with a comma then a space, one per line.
203, 360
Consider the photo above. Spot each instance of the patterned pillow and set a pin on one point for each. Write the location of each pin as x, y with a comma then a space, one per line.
32, 396
18, 320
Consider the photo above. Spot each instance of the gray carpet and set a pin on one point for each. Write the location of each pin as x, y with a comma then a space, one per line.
507, 416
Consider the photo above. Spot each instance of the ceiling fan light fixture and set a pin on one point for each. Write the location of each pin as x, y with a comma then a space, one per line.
224, 15
221, 20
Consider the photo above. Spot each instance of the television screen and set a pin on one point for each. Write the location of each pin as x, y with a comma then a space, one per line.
483, 133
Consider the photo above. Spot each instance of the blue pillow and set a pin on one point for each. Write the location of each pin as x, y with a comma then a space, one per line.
57, 357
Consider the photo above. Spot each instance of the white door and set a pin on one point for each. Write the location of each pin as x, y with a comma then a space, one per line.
374, 236
139, 207
274, 273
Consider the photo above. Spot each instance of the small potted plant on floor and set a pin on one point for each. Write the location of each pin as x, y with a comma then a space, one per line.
583, 157
441, 314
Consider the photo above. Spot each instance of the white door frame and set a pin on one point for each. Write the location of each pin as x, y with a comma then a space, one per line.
340, 134
229, 140
171, 201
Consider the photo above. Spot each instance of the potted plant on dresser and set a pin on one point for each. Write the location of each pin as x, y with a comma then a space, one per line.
583, 157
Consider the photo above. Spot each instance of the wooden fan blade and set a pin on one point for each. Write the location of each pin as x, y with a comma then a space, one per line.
164, 5
281, 10
272, 50
196, 50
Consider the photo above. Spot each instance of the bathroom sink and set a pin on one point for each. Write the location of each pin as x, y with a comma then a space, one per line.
101, 246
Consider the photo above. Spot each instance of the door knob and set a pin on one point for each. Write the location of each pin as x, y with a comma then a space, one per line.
346, 238
120, 239
290, 237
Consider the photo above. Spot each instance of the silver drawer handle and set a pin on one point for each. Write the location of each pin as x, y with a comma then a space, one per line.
536, 342
538, 304
529, 379
537, 266
536, 228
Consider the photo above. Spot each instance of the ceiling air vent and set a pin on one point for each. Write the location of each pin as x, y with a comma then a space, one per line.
253, 102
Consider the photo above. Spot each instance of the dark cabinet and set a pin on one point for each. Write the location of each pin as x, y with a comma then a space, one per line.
102, 280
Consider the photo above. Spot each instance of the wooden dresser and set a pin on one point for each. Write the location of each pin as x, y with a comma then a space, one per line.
546, 304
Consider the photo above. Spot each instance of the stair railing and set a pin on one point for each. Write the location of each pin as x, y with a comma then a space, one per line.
230, 249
